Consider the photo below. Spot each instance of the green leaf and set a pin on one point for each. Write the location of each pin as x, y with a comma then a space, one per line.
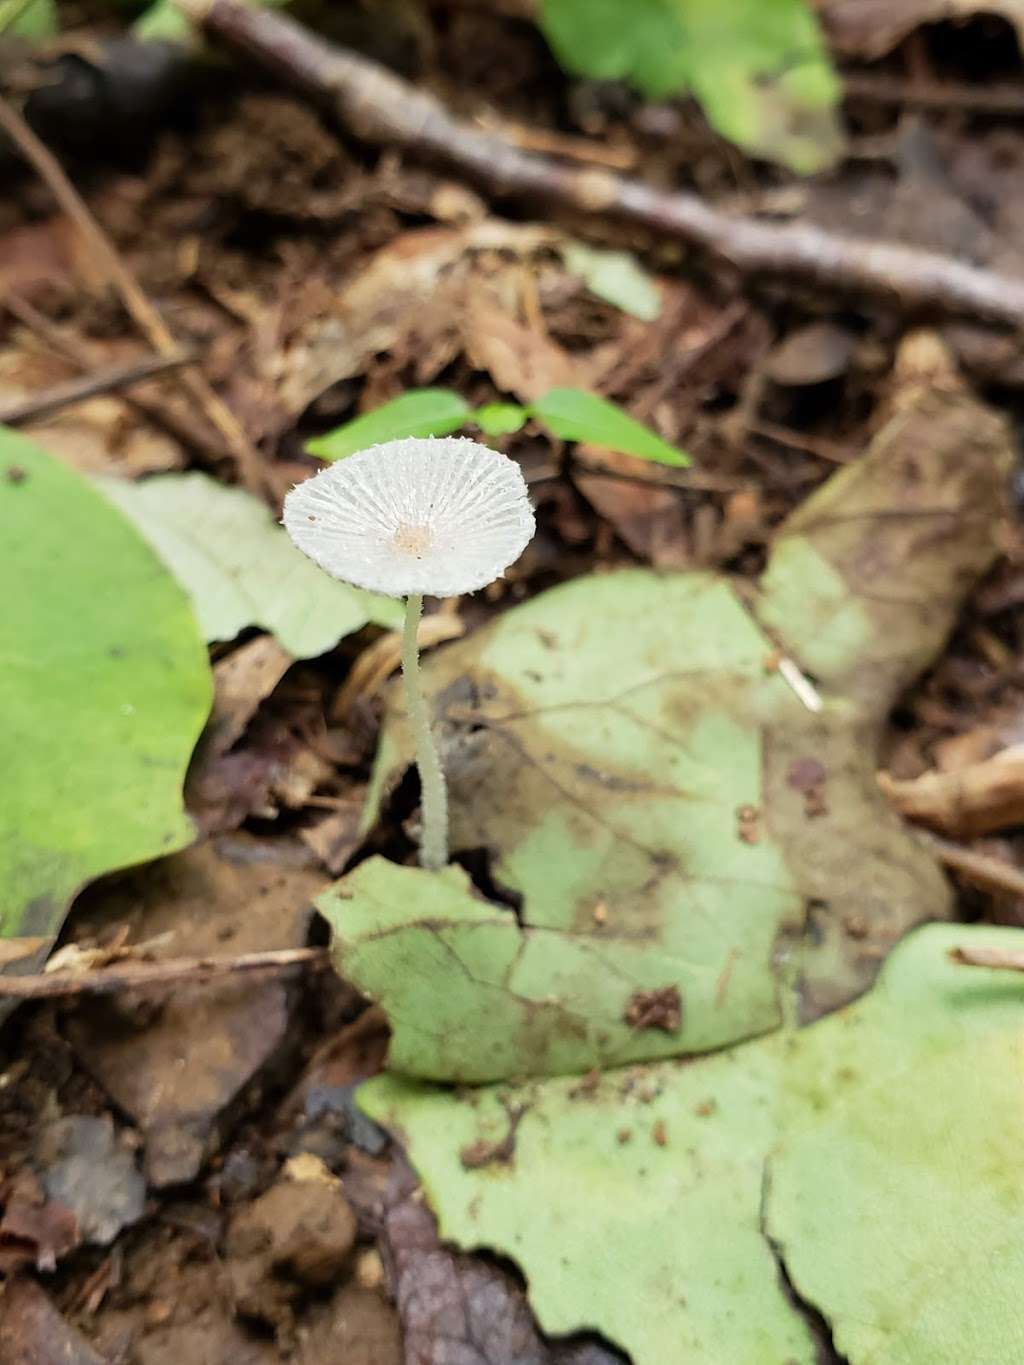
240, 568
104, 690
499, 419
573, 415
616, 277
759, 67
420, 412
35, 21
658, 1248
163, 22
671, 815
618, 722
878, 1150
897, 1196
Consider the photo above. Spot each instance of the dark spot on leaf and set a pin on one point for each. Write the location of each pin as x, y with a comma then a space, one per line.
15, 474
502, 1152
658, 1009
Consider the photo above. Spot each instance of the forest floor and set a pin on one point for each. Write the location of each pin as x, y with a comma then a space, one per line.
231, 1203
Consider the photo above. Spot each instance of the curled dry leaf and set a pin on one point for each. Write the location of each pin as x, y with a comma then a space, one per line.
977, 799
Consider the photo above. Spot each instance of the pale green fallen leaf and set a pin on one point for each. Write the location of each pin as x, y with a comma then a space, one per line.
896, 1198
883, 1143
104, 690
657, 1247
668, 812
240, 568
420, 412
615, 276
602, 739
759, 67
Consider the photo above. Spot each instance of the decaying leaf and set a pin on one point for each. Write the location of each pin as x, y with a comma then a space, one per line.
105, 688
882, 1139
239, 567
408, 298
669, 815
221, 897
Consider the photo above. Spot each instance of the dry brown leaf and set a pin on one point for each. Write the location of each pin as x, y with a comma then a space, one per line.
649, 519
102, 435
978, 799
871, 28
398, 292
522, 360
337, 836
218, 898
241, 681
376, 664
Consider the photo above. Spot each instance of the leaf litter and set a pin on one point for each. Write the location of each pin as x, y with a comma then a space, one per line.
211, 197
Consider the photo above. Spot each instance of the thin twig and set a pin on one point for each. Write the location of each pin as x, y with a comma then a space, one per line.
945, 95
111, 380
381, 108
981, 869
85, 358
147, 975
976, 956
143, 312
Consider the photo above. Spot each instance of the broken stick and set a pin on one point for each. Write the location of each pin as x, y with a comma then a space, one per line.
112, 380
144, 313
383, 109
190, 971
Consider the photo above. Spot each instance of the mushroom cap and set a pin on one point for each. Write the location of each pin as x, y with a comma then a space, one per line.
434, 516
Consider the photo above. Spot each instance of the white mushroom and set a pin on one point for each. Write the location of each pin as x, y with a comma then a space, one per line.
413, 518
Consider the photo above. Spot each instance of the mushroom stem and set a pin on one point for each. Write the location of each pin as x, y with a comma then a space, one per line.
433, 792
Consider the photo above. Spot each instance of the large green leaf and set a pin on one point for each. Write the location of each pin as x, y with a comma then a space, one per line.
897, 1197
36, 21
759, 67
672, 818
603, 739
104, 690
420, 412
240, 568
631, 1202
635, 1203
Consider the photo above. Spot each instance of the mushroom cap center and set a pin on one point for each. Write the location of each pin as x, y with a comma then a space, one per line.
413, 540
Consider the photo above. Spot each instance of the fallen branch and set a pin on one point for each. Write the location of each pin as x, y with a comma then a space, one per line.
112, 380
977, 956
192, 971
381, 108
138, 306
980, 869
85, 357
